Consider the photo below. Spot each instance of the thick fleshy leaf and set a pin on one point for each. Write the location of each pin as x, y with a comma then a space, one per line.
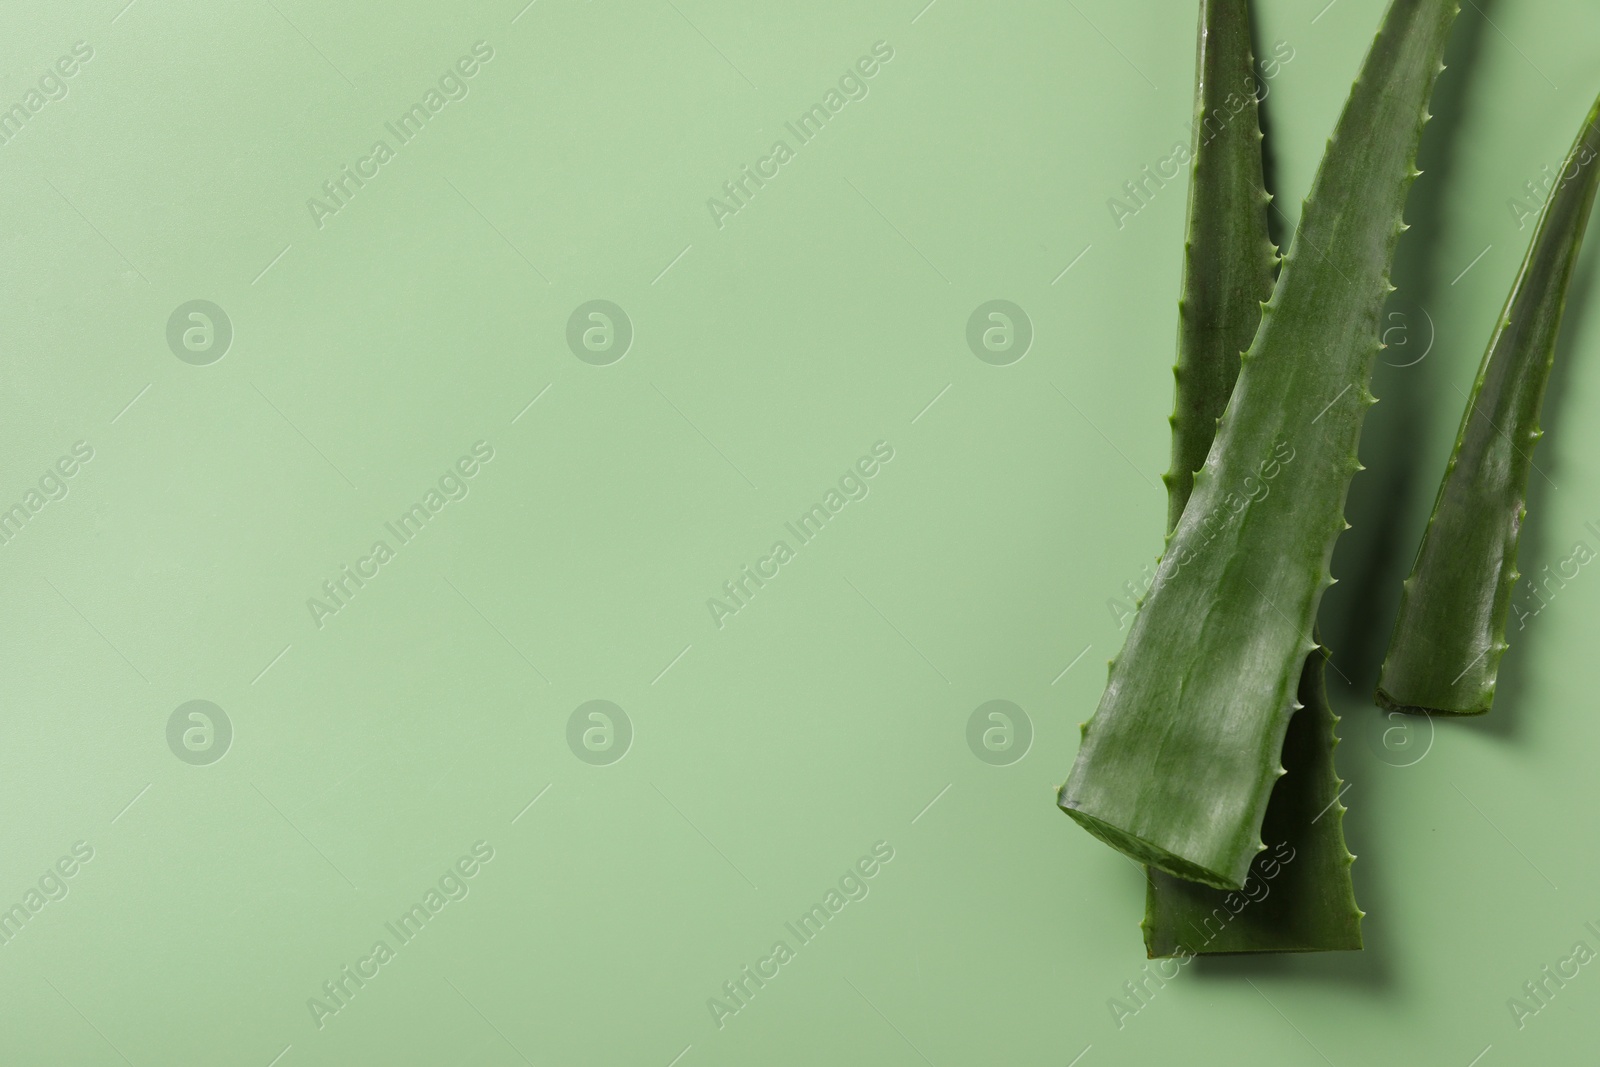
1300, 897
1451, 631
1179, 761
1229, 260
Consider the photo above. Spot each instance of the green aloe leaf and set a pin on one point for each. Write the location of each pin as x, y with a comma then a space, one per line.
1179, 760
1300, 898
1229, 260
1450, 634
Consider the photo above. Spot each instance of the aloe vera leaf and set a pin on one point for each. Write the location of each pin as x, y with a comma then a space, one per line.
1179, 760
1301, 898
1229, 259
1298, 896
1450, 634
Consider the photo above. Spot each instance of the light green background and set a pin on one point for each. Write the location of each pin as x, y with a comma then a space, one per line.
769, 355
